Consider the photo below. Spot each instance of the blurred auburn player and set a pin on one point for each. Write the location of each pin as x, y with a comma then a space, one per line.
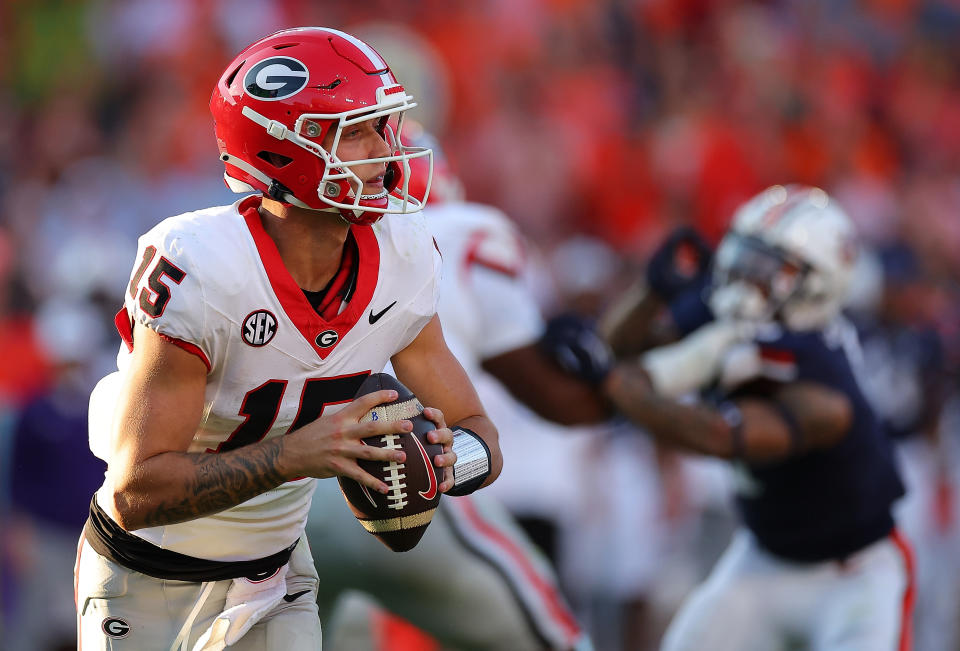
474, 581
908, 383
818, 561
247, 330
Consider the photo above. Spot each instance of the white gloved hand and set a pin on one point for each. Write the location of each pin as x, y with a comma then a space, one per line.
740, 364
695, 361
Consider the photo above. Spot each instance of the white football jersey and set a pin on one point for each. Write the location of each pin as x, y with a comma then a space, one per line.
487, 307
213, 282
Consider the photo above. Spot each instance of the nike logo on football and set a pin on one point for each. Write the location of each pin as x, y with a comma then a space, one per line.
432, 482
290, 598
376, 317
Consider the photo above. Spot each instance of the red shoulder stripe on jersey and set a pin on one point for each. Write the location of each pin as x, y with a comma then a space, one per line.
777, 355
124, 327
494, 266
190, 348
909, 592
557, 610
778, 364
475, 257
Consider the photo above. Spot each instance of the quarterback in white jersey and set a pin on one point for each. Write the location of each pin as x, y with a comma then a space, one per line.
247, 331
274, 364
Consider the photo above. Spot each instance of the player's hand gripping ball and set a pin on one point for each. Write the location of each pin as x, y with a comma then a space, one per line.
399, 518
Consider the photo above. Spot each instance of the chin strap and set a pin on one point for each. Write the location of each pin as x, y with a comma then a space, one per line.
276, 190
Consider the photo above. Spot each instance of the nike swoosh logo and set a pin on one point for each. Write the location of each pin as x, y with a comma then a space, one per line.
376, 317
290, 598
432, 483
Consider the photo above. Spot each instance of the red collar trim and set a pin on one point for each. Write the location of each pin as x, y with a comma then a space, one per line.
310, 324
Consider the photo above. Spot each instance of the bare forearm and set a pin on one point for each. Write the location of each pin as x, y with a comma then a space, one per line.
691, 427
179, 486
758, 433
526, 371
573, 403
631, 325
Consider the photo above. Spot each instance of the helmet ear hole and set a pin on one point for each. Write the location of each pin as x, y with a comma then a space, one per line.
277, 160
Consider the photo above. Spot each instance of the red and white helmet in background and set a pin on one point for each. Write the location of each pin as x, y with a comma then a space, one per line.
277, 101
433, 177
788, 256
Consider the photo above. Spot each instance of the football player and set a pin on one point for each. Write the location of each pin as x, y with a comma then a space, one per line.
247, 330
474, 581
908, 383
818, 561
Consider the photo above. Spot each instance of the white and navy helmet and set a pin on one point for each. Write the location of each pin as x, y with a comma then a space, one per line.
788, 256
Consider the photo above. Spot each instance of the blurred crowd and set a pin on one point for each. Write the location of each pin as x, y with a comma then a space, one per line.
597, 126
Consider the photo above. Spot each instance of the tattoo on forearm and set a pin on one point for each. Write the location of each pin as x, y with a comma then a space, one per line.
222, 481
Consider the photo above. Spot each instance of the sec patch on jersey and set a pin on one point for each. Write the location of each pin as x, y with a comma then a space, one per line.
399, 518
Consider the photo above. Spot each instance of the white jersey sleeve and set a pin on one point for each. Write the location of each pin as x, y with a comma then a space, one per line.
166, 292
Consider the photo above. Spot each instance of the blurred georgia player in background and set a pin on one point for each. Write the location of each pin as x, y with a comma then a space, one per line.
818, 562
474, 581
247, 329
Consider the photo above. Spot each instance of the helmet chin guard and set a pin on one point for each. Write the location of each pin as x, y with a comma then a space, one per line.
288, 93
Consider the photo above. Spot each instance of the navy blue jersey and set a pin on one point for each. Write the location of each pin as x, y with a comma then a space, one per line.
826, 503
905, 378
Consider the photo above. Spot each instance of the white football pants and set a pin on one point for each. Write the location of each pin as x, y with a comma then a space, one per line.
754, 601
119, 609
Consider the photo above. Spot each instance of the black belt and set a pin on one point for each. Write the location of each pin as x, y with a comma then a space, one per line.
110, 541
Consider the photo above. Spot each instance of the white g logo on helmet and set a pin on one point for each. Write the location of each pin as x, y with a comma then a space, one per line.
276, 78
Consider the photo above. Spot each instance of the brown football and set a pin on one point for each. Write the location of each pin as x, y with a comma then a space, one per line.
399, 518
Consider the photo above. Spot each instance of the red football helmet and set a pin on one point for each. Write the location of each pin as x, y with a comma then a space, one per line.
278, 99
